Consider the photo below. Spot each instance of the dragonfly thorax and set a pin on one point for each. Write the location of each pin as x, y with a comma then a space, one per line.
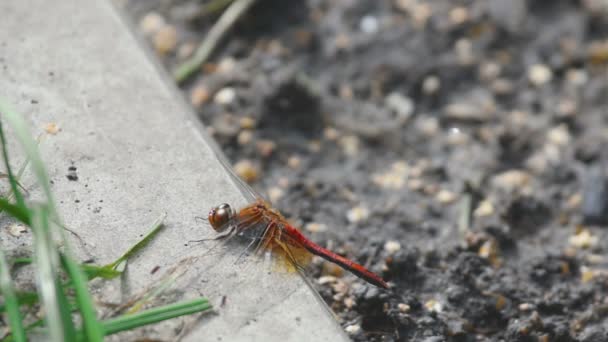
220, 216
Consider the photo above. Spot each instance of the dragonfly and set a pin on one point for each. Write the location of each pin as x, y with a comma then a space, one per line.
271, 232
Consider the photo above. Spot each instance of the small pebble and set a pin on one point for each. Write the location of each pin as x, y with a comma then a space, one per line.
501, 302
446, 197
331, 134
459, 15
598, 52
16, 229
151, 23
349, 144
525, 307
349, 302
429, 126
275, 193
402, 105
314, 146
502, 86
464, 51
489, 71
247, 122
357, 214
353, 329
346, 92
391, 247
511, 179
539, 74
327, 280
226, 125
421, 12
595, 259
369, 24
587, 274
226, 66
431, 85
466, 111
225, 96
415, 184
577, 77
583, 239
485, 208
315, 227
456, 137
294, 162
199, 96
246, 170
489, 250
433, 306
342, 41
559, 135
403, 308
165, 39
245, 137
394, 178
265, 147
51, 128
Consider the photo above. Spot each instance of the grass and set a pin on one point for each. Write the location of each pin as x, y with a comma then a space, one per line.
67, 310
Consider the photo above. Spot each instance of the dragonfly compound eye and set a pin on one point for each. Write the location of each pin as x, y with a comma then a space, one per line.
220, 216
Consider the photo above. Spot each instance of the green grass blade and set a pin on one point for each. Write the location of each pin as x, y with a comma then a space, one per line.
30, 149
126, 322
24, 298
104, 272
156, 227
22, 261
11, 178
11, 301
91, 325
19, 212
47, 266
90, 271
20, 173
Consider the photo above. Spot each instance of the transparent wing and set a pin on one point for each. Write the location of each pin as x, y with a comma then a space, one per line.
248, 192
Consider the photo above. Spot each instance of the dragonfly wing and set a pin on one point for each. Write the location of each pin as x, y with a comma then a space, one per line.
248, 192
289, 253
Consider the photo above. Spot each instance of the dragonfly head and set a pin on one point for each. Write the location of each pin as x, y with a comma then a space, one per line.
220, 216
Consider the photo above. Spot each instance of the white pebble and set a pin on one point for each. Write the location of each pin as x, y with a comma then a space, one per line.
353, 329
151, 23
391, 247
559, 135
539, 74
225, 96
357, 214
369, 24
431, 85
402, 105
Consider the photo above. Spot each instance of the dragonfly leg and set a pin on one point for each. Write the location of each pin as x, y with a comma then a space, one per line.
245, 250
219, 237
264, 241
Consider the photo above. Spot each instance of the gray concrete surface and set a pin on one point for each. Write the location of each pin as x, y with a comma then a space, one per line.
139, 152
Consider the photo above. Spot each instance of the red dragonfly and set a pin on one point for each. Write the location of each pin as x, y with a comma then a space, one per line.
272, 232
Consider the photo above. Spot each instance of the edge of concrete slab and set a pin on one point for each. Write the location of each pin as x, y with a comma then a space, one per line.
139, 151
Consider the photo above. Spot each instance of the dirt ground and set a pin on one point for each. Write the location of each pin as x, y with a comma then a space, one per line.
457, 148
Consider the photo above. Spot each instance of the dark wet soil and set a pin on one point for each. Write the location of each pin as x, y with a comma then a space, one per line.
457, 148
